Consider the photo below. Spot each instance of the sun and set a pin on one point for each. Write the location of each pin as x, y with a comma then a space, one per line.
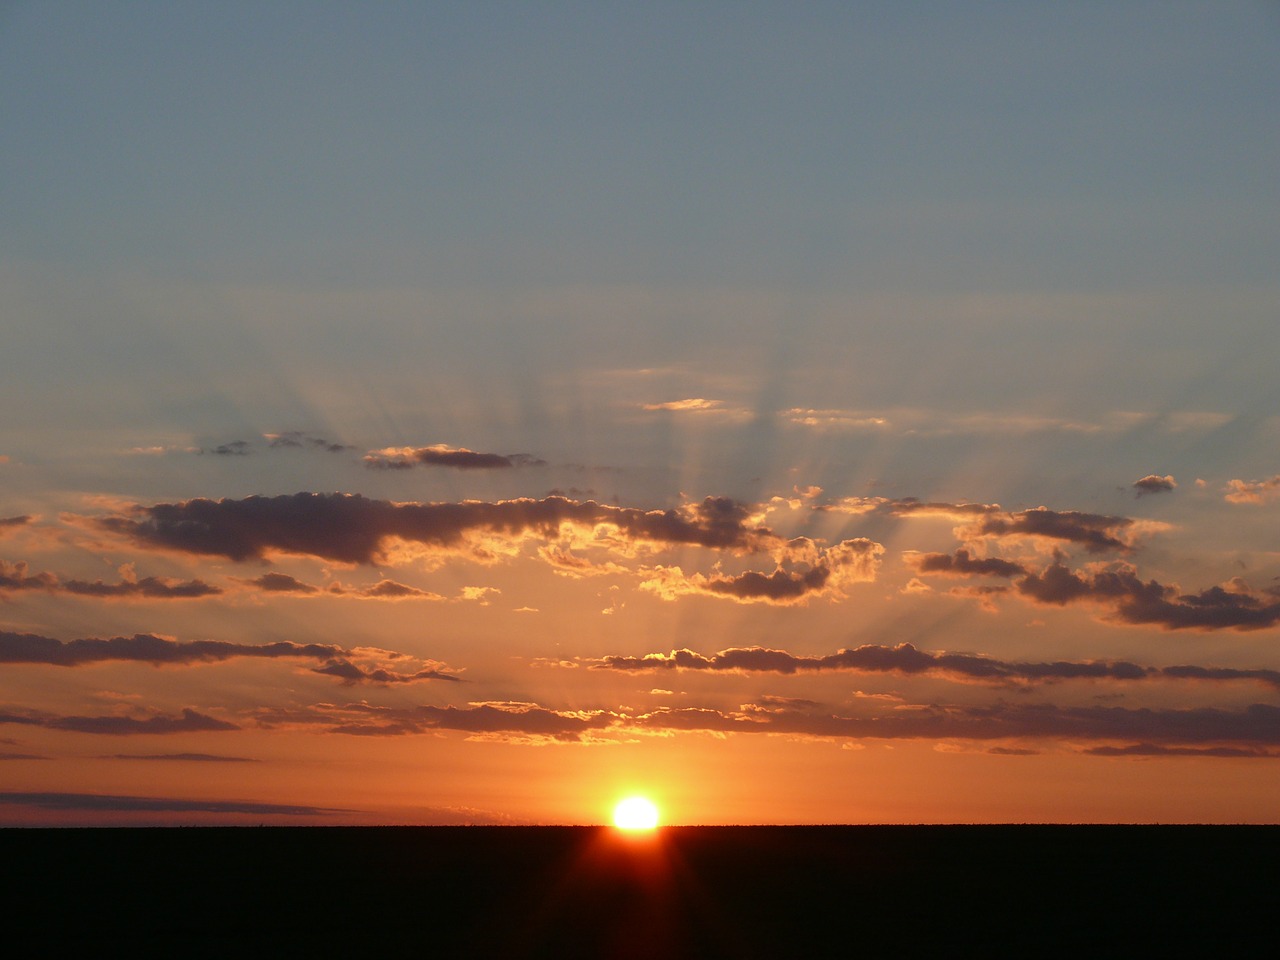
635, 813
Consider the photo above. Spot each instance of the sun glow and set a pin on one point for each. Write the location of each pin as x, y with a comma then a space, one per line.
635, 813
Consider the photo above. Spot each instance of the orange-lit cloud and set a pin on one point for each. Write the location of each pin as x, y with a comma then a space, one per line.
1255, 492
14, 577
905, 659
25, 648
441, 455
350, 528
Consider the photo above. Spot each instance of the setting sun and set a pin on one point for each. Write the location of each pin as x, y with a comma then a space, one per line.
635, 813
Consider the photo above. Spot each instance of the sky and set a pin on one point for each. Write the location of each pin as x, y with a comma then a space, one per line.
479, 412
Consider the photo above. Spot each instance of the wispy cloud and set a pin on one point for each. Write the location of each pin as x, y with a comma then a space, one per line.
440, 455
906, 660
353, 529
101, 803
346, 665
189, 721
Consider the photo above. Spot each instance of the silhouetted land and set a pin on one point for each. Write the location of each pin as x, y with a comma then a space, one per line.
692, 891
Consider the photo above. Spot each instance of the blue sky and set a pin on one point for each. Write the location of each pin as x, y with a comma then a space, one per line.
980, 253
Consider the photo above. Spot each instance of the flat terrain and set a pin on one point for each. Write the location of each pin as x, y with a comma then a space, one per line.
688, 891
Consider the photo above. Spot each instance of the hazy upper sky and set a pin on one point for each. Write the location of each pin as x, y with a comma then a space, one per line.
395, 389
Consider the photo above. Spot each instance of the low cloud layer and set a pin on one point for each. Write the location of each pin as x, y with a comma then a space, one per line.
16, 576
1253, 727
907, 660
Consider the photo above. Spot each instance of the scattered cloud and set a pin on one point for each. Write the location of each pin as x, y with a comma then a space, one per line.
100, 803
691, 405
1154, 484
821, 572
350, 528
189, 721
181, 757
1134, 601
25, 648
440, 455
15, 577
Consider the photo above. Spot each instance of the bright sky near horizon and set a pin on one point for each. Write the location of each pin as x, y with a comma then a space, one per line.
481, 412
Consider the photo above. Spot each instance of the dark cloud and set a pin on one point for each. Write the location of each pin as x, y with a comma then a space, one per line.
351, 673
288, 440
382, 590
1152, 750
352, 529
182, 757
1135, 601
98, 803
22, 756
10, 522
1154, 484
905, 658
158, 651
1257, 725
189, 721
1095, 532
440, 455
519, 720
15, 576
295, 440
236, 448
280, 583
963, 563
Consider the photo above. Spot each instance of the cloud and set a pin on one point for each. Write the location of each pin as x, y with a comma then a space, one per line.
8, 523
350, 528
1134, 601
907, 660
964, 564
281, 583
189, 721
691, 405
295, 440
837, 419
1154, 484
1257, 725
351, 673
1254, 492
14, 576
288, 440
904, 659
28, 648
384, 589
522, 721
1152, 750
99, 803
824, 572
182, 757
1095, 532
440, 455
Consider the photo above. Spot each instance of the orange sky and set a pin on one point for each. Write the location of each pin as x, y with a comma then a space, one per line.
469, 416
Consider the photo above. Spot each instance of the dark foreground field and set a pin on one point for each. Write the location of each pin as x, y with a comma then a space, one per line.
705, 891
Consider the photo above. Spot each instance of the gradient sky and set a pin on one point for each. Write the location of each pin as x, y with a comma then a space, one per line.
474, 412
